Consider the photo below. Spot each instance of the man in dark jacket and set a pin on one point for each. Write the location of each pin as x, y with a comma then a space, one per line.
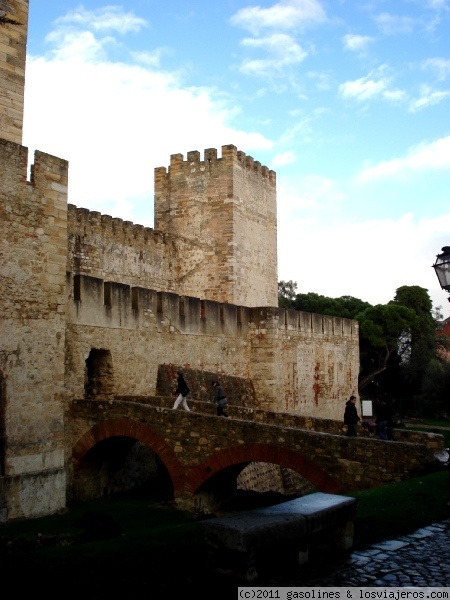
351, 418
220, 399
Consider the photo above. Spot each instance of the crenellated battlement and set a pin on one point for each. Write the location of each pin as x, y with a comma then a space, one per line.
230, 155
100, 302
48, 172
82, 221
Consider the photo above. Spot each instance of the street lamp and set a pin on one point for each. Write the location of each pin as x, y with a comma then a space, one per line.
442, 268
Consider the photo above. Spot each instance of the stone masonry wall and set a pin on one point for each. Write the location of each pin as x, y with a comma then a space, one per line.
116, 250
215, 236
240, 391
197, 446
228, 206
143, 329
13, 36
33, 247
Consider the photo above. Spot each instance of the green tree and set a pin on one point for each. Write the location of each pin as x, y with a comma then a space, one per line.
286, 293
436, 387
380, 328
423, 366
422, 334
345, 306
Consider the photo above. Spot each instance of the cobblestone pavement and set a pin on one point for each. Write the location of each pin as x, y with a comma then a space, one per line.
420, 559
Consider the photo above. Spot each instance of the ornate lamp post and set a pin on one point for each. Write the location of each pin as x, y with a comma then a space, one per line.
442, 268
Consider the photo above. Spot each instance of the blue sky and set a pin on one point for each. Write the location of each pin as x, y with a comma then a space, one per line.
347, 100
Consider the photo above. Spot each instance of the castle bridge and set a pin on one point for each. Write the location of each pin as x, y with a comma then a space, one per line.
94, 305
199, 448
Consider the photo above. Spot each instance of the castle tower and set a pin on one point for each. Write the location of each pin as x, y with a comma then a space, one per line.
13, 43
33, 250
228, 205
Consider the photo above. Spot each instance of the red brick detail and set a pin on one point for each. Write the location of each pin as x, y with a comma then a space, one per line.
135, 430
246, 453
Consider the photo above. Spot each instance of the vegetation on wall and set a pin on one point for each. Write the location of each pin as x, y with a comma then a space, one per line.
4, 19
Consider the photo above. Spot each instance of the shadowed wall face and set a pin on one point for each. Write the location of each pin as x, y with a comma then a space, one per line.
240, 391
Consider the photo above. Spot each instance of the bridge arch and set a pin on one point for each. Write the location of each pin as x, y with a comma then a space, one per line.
187, 481
132, 429
245, 453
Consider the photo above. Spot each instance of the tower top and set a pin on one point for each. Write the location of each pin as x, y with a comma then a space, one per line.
228, 206
230, 154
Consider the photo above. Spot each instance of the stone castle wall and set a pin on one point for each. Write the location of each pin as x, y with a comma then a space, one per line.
112, 249
13, 34
92, 305
298, 362
33, 237
215, 234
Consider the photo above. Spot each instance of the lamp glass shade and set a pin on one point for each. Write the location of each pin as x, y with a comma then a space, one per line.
442, 268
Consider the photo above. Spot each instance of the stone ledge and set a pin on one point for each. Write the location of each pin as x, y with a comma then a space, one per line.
242, 542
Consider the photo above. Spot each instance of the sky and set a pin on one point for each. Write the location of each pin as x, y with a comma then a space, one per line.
348, 101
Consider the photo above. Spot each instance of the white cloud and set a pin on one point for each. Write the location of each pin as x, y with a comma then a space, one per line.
284, 15
284, 50
441, 66
438, 4
278, 43
393, 24
310, 197
426, 157
395, 95
356, 43
299, 130
363, 88
428, 98
321, 80
78, 46
87, 35
356, 258
111, 18
370, 87
284, 158
116, 122
151, 59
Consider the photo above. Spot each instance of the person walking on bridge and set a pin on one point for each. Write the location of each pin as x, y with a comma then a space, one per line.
351, 417
182, 391
220, 399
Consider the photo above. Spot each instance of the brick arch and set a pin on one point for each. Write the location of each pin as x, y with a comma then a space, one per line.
261, 453
135, 430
